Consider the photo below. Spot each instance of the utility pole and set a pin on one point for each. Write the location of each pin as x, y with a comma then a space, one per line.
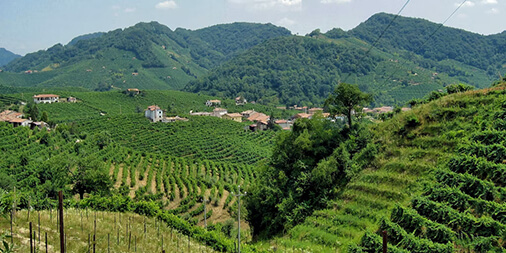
239, 195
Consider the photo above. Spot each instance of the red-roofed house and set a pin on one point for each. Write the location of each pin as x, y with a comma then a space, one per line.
46, 98
10, 115
154, 113
219, 112
314, 110
302, 116
240, 101
233, 116
20, 122
213, 102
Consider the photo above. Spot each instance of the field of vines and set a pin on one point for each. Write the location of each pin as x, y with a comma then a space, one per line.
201, 137
194, 190
463, 207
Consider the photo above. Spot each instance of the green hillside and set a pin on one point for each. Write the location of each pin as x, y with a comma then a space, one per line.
436, 185
410, 36
147, 55
407, 66
303, 70
7, 56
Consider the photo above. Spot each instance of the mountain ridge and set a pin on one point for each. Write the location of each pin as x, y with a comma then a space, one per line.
7, 56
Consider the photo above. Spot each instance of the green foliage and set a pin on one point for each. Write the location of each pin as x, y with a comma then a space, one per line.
454, 88
91, 176
448, 43
346, 99
308, 167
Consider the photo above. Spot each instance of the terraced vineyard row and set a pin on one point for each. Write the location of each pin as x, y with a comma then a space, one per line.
200, 138
463, 208
177, 184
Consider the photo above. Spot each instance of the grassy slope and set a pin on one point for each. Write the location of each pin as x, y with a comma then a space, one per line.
405, 164
79, 224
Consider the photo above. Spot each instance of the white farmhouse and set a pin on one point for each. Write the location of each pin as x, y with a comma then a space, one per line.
45, 98
154, 113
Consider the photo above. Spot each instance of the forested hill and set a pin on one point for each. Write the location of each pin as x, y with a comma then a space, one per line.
288, 70
161, 57
412, 35
7, 56
296, 70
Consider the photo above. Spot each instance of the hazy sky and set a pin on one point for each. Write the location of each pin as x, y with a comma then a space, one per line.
30, 25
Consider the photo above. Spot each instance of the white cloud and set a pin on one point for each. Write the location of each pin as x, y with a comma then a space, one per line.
166, 5
489, 1
335, 1
269, 4
493, 11
129, 10
286, 22
290, 2
466, 4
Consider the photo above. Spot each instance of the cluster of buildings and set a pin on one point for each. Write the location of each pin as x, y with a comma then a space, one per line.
383, 109
51, 98
16, 119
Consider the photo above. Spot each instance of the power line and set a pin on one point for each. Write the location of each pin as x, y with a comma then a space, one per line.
381, 35
428, 38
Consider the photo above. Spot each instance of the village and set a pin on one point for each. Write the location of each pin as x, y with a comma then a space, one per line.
259, 121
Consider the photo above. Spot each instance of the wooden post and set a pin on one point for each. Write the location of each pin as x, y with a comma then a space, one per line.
384, 241
94, 243
108, 243
129, 239
46, 242
31, 233
135, 243
38, 212
12, 234
62, 231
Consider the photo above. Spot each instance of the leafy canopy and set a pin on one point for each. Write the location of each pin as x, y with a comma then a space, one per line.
347, 99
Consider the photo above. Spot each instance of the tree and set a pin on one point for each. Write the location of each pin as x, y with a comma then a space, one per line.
91, 176
347, 99
44, 117
33, 111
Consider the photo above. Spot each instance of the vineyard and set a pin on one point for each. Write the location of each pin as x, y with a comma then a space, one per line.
202, 138
438, 184
179, 186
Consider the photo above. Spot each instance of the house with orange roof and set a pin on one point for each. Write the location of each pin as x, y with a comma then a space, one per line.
302, 116
219, 112
248, 113
315, 110
233, 116
154, 113
213, 102
45, 98
8, 115
240, 100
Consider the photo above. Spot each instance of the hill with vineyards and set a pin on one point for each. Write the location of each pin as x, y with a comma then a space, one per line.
265, 63
435, 184
405, 64
147, 56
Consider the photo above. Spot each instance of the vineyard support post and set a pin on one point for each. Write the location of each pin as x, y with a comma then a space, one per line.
62, 232
31, 244
239, 195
